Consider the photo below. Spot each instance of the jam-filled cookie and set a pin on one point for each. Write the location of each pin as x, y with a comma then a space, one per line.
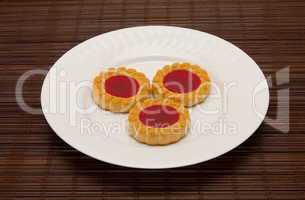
184, 81
118, 89
158, 121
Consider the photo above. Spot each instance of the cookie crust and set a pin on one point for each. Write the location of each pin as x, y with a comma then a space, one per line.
190, 98
113, 103
158, 136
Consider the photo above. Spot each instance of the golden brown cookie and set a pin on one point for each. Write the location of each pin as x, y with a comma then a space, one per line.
184, 81
158, 121
118, 89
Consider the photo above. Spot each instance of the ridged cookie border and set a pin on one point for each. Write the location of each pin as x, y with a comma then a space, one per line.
189, 99
158, 136
114, 103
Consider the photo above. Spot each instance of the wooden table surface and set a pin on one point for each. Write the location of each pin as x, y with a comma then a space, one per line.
36, 164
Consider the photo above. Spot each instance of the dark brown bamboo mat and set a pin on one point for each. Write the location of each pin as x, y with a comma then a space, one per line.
36, 164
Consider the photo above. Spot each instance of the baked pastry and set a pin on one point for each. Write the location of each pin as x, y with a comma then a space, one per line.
158, 121
118, 89
184, 81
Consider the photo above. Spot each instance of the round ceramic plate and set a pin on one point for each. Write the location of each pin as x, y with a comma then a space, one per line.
236, 107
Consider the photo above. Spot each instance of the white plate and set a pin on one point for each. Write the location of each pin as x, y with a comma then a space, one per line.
231, 114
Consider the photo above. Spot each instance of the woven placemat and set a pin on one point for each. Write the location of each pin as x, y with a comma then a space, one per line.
36, 164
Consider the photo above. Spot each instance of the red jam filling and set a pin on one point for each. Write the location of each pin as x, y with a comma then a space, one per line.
122, 86
181, 81
159, 116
